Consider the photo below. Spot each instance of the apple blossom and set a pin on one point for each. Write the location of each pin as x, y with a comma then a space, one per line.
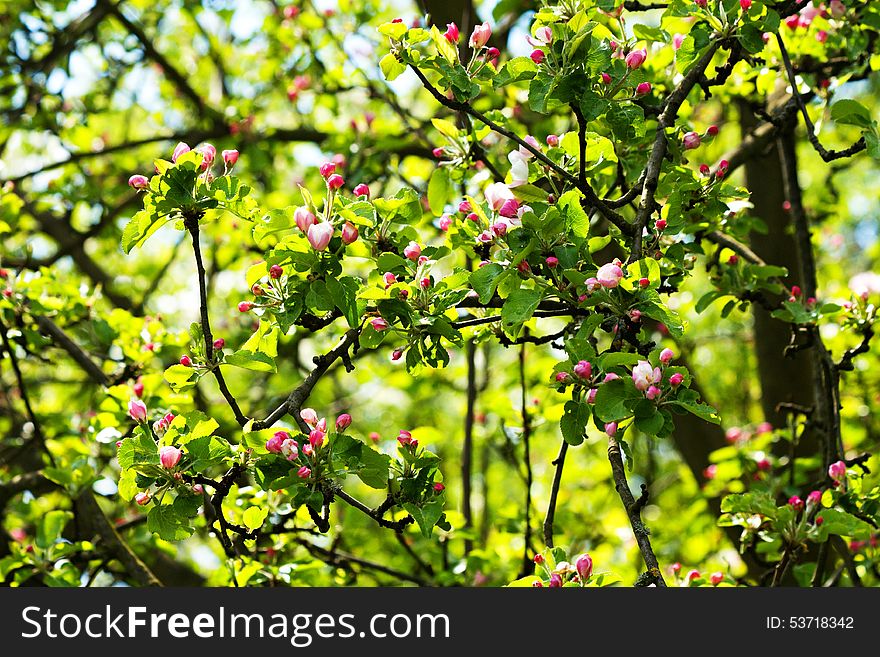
611, 428
644, 375
412, 251
552, 141
796, 503
179, 150
230, 157
142, 498
691, 140
362, 190
319, 235
304, 218
636, 58
138, 182
609, 275
643, 88
676, 379
837, 471
584, 567
349, 233
343, 422
451, 33
169, 456
335, 181
666, 356
137, 410
327, 169
583, 369
379, 324
304, 472
480, 36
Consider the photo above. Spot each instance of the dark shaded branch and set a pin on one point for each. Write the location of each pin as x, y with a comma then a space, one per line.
640, 531
824, 153
549, 519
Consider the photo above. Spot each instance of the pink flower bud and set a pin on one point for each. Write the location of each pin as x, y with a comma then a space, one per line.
319, 235
451, 33
701, 3
379, 324
219, 343
169, 456
704, 169
643, 89
606, 78
307, 449
230, 157
584, 567
499, 228
552, 141
653, 392
439, 488
275, 271
138, 389
837, 471
583, 369
636, 58
362, 190
555, 581
304, 473
464, 207
675, 568
304, 218
198, 489
611, 376
343, 422
509, 208
692, 575
666, 356
611, 428
819, 521
764, 427
142, 498
552, 262
186, 361
309, 416
480, 36
837, 8
274, 443
660, 224
676, 379
138, 182
389, 278
796, 503
691, 140
445, 222
179, 150
644, 282
412, 251
244, 306
677, 40
712, 131
721, 171
137, 410
335, 181
716, 578
316, 438
795, 291
591, 395
538, 559
745, 4
562, 377
396, 354
208, 154
327, 169
710, 472
349, 233
473, 216
537, 55
814, 497
425, 283
763, 465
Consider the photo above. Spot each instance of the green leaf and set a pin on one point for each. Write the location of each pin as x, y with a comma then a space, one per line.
391, 67
515, 70
426, 516
254, 517
749, 503
50, 526
439, 190
689, 401
180, 378
615, 400
835, 521
485, 280
851, 112
519, 307
137, 450
169, 523
250, 360
574, 422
